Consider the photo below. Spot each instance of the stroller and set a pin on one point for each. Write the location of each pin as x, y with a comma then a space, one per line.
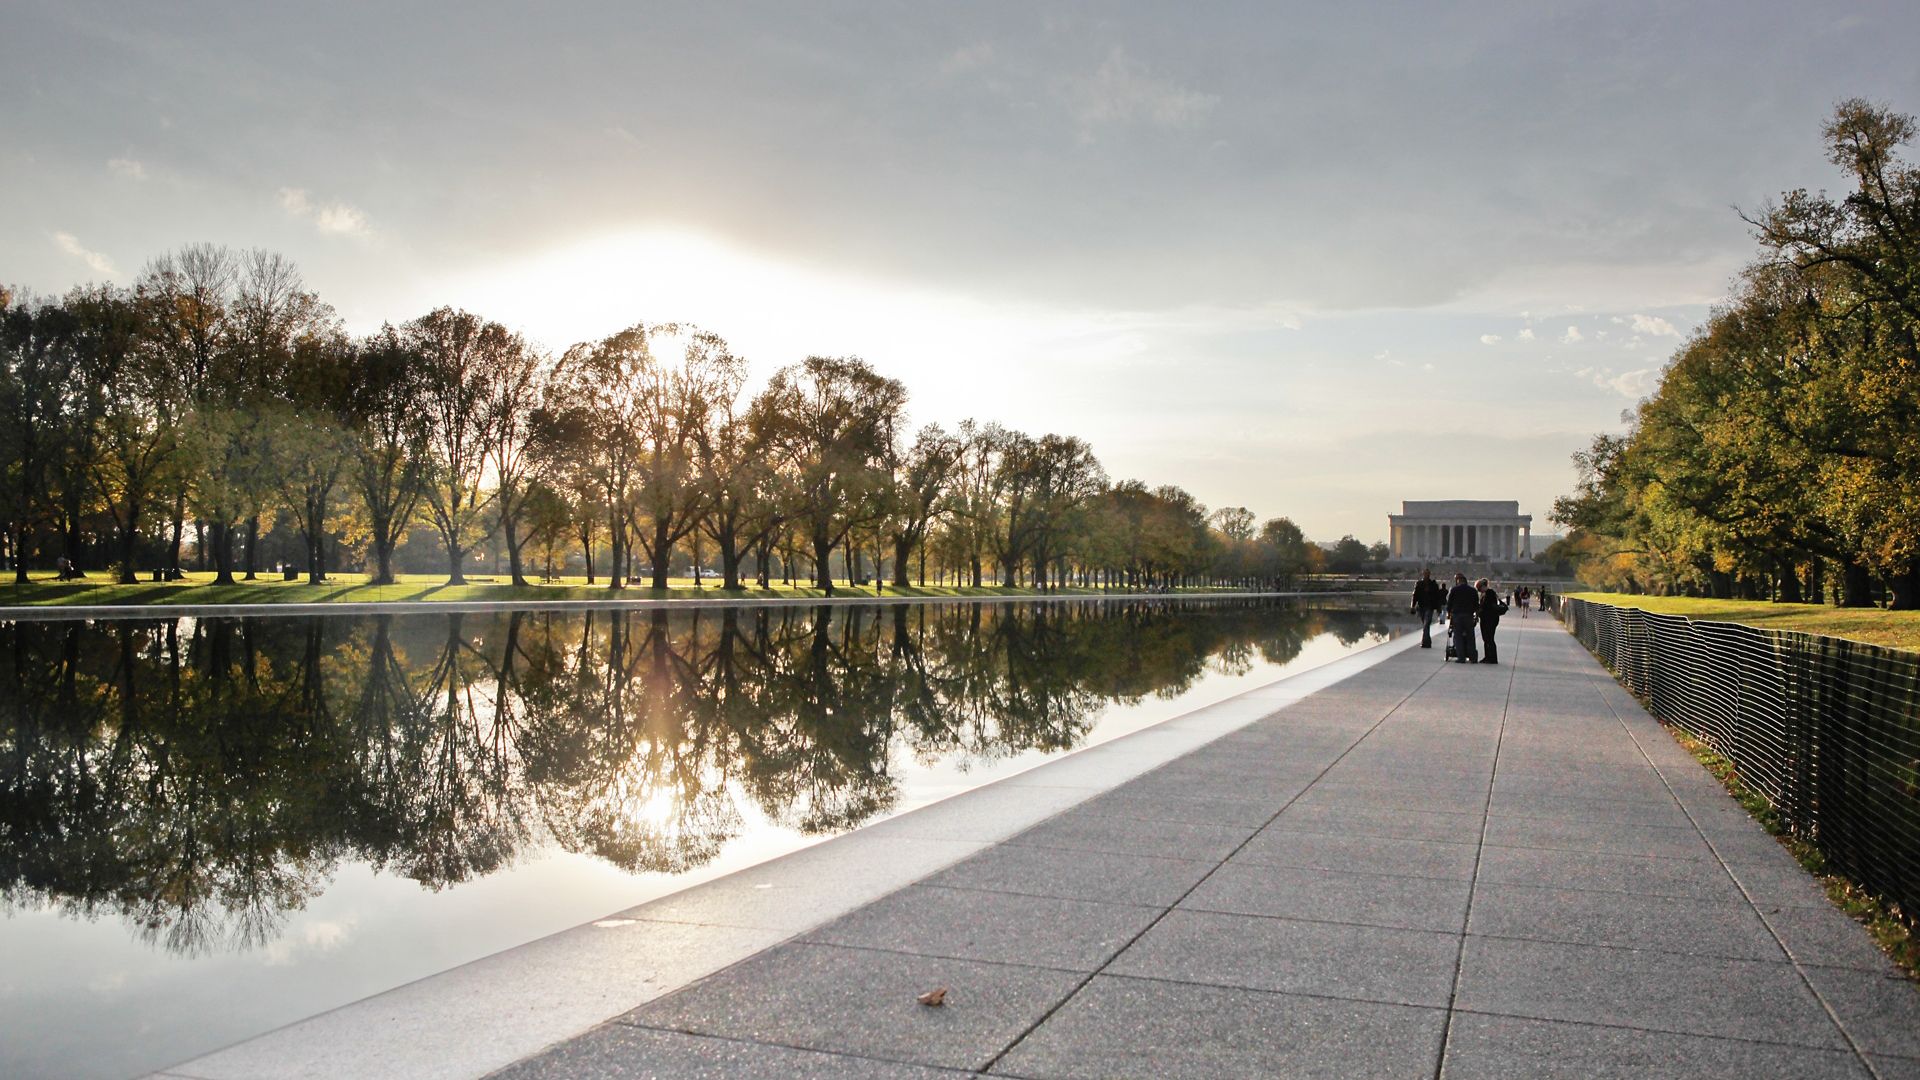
1473, 651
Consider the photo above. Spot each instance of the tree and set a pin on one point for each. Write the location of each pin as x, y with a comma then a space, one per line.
38, 379
187, 296
597, 410
1348, 556
514, 424
1284, 550
387, 432
465, 361
678, 403
918, 493
136, 456
837, 416
744, 495
310, 440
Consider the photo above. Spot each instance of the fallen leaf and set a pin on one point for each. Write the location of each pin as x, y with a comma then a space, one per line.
936, 998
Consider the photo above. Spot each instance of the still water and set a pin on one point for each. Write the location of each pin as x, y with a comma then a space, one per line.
213, 827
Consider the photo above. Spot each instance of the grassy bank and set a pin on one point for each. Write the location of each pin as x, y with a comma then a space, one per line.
1899, 629
44, 591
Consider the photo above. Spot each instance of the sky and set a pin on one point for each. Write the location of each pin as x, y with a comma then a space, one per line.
1311, 259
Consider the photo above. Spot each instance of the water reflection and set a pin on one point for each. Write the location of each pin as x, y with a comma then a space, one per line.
203, 778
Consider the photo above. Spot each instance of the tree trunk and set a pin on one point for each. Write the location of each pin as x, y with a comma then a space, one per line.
513, 550
179, 526
662, 555
617, 546
456, 558
316, 541
220, 536
253, 544
129, 539
382, 558
902, 556
976, 571
1905, 587
1789, 582
1856, 586
20, 534
823, 562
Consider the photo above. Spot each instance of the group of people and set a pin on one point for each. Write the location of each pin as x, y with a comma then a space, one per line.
1463, 607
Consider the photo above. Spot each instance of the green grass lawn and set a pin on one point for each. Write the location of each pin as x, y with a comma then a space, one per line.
1898, 629
351, 588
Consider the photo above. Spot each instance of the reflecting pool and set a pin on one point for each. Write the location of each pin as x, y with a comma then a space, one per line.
212, 827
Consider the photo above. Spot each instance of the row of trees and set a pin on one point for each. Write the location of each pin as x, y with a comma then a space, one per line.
1780, 456
217, 406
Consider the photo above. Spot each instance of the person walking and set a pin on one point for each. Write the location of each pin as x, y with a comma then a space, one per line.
1428, 598
1462, 604
1490, 609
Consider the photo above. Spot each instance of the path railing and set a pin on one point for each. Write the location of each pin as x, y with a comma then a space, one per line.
1828, 730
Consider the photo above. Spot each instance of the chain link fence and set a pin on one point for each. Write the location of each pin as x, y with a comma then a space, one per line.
1828, 730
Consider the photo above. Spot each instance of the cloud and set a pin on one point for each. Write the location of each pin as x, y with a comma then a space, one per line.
95, 261
336, 218
1572, 336
1634, 384
1526, 334
1647, 324
1489, 339
128, 168
1121, 91
967, 58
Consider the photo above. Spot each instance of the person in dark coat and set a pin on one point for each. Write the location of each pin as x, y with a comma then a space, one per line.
1462, 604
1490, 609
1428, 598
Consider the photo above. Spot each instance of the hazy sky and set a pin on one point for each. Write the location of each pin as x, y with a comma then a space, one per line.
1311, 261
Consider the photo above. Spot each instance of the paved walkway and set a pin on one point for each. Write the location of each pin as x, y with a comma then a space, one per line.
1426, 870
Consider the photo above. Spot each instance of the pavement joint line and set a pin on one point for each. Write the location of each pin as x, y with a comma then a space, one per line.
1165, 981
1598, 851
1027, 964
1701, 900
1644, 949
1833, 1015
1479, 853
1337, 870
1747, 1039
1309, 922
1051, 896
738, 1041
1083, 983
1378, 835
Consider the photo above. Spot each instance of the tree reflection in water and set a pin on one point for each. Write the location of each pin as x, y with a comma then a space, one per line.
203, 778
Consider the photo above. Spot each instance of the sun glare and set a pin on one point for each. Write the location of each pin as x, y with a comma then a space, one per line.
955, 352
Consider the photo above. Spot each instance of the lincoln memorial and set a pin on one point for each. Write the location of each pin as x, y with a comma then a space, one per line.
1460, 530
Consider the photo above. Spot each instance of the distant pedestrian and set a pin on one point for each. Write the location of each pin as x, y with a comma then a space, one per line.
1428, 598
1522, 596
1462, 604
1490, 609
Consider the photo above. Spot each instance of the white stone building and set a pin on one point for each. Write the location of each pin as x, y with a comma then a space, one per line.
1459, 531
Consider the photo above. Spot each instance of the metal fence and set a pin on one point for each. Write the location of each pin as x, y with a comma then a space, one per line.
1828, 730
